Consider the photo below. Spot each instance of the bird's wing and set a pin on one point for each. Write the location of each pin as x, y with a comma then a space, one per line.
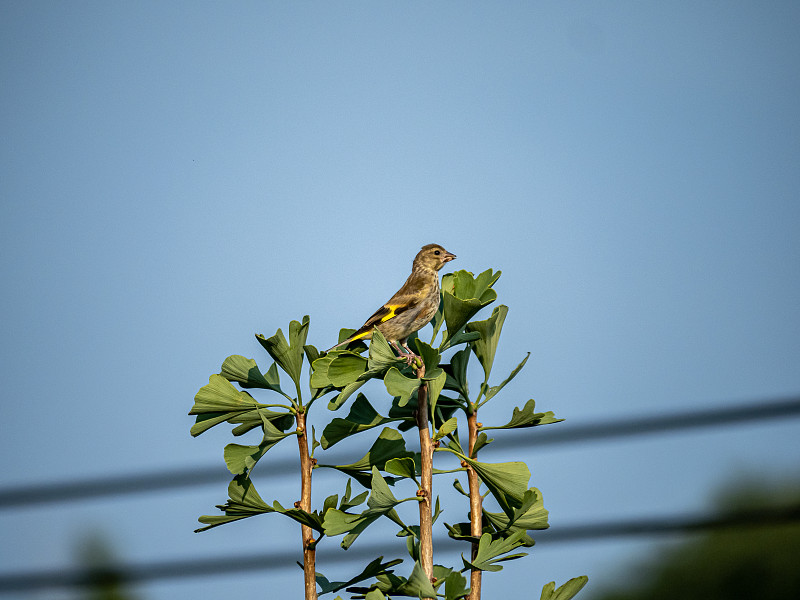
388, 311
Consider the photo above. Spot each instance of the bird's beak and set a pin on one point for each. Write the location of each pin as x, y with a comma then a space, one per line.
448, 256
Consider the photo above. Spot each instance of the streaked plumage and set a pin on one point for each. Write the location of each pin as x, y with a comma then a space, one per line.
412, 307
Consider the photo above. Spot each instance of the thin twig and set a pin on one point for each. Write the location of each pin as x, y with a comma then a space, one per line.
309, 551
426, 479
475, 506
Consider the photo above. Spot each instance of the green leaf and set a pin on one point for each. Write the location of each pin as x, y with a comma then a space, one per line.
455, 586
381, 502
221, 396
461, 532
289, 356
348, 502
330, 501
398, 384
319, 371
507, 482
481, 441
402, 467
462, 337
241, 459
311, 353
431, 357
362, 416
530, 515
346, 368
447, 427
435, 387
457, 373
438, 318
463, 295
373, 569
220, 401
348, 391
566, 592
465, 285
418, 584
486, 346
381, 355
312, 520
490, 552
243, 502
496, 388
390, 444
254, 418
246, 373
527, 417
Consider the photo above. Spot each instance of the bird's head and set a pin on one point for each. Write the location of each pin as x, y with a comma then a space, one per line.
433, 256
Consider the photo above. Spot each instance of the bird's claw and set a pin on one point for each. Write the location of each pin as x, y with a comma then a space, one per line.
409, 357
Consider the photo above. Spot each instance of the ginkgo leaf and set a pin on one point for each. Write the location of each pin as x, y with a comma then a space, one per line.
435, 387
348, 391
455, 586
493, 551
398, 384
390, 444
531, 514
457, 373
246, 373
373, 569
243, 502
507, 482
241, 459
490, 329
447, 427
463, 295
526, 417
220, 401
402, 467
362, 417
418, 584
346, 368
481, 441
381, 355
381, 502
565, 592
312, 520
319, 372
288, 355
430, 357
492, 391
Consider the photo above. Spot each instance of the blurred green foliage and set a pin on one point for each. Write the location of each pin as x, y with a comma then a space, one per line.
747, 563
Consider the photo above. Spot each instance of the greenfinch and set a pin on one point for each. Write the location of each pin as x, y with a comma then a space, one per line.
412, 307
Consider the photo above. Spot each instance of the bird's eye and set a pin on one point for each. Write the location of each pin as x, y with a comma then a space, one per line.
436, 252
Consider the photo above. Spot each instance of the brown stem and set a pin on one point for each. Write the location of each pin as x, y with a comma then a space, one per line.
475, 504
426, 479
309, 551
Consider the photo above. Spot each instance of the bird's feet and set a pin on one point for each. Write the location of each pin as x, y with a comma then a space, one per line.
406, 353
410, 357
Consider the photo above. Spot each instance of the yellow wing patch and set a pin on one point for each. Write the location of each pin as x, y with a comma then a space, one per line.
392, 312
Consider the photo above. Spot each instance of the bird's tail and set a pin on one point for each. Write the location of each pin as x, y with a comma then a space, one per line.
348, 340
361, 334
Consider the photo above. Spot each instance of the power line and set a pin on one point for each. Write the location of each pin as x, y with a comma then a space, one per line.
632, 426
133, 483
198, 567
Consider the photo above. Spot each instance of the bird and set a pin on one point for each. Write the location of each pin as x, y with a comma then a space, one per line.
412, 307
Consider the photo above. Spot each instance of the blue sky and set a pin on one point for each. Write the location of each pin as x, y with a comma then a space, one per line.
178, 176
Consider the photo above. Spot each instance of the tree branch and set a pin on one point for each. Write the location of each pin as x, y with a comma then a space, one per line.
309, 551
